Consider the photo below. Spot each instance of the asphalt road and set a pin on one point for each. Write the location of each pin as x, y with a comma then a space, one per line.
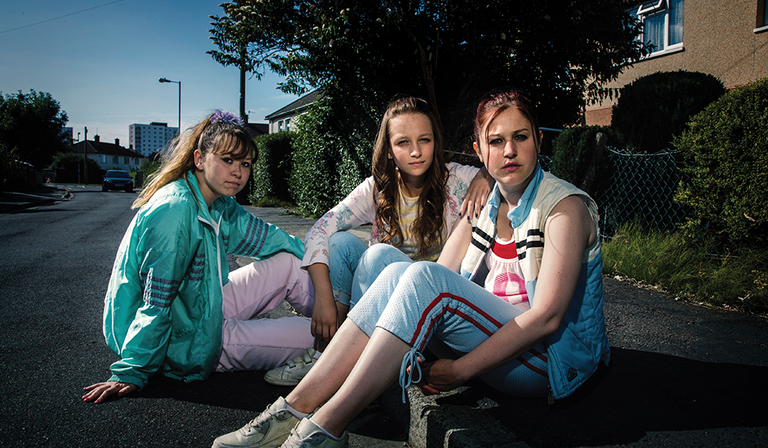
681, 375
56, 260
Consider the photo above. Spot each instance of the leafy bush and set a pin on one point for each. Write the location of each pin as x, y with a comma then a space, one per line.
315, 159
33, 124
10, 174
272, 168
65, 165
329, 159
726, 159
148, 167
655, 107
572, 157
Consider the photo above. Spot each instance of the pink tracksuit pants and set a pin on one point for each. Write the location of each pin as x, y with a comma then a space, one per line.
253, 343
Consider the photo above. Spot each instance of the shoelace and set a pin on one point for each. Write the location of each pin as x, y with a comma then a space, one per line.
406, 378
295, 441
258, 423
291, 441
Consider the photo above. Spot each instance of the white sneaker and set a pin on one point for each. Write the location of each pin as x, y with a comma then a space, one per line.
292, 371
308, 435
268, 430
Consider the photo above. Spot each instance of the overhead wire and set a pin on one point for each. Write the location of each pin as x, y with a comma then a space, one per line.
59, 17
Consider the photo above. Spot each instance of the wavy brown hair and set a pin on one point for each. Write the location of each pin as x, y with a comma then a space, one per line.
428, 225
219, 137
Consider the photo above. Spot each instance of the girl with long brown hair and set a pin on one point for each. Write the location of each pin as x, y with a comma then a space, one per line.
413, 199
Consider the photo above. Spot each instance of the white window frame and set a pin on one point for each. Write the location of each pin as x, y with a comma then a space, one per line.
762, 16
656, 8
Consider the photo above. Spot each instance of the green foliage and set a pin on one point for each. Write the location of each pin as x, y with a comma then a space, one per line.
726, 160
66, 165
273, 202
32, 124
574, 160
446, 51
327, 163
653, 108
10, 173
315, 160
273, 167
671, 262
148, 168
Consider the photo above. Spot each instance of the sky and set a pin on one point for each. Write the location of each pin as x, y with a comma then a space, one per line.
101, 60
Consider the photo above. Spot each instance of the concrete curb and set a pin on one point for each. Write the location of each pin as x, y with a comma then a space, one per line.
15, 201
436, 425
449, 420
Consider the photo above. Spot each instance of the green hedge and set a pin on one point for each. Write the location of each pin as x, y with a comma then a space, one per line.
10, 174
726, 158
329, 159
653, 108
272, 168
572, 156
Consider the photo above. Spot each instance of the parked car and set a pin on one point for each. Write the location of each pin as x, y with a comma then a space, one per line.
117, 180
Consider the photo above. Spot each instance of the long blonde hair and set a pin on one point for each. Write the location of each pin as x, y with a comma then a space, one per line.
219, 133
428, 226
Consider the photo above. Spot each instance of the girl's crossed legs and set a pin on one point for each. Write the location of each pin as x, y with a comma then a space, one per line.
403, 308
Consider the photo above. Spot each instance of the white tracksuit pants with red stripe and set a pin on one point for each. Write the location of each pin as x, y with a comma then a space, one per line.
416, 301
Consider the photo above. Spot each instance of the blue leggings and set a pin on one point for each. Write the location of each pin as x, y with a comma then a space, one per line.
418, 300
344, 251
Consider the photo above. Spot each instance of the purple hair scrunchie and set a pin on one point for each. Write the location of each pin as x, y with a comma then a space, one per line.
226, 117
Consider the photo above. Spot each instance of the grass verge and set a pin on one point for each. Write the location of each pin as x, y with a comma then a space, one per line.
679, 267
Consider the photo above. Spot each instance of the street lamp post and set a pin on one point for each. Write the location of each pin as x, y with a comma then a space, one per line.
78, 162
162, 80
85, 156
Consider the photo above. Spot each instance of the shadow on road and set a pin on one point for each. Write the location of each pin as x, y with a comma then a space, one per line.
640, 392
235, 390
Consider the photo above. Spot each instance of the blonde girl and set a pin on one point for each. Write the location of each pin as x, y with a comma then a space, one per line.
172, 307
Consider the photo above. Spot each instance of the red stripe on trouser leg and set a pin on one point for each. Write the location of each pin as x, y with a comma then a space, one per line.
531, 366
470, 320
541, 356
437, 300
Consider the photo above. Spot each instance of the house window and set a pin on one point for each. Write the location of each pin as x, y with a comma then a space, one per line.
762, 13
115, 159
287, 124
279, 126
126, 161
662, 24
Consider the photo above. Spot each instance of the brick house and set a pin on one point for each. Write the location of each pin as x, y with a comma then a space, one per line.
726, 39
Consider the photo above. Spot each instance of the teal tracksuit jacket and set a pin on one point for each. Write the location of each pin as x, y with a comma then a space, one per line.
163, 307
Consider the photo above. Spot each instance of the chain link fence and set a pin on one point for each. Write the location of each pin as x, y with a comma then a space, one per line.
641, 190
